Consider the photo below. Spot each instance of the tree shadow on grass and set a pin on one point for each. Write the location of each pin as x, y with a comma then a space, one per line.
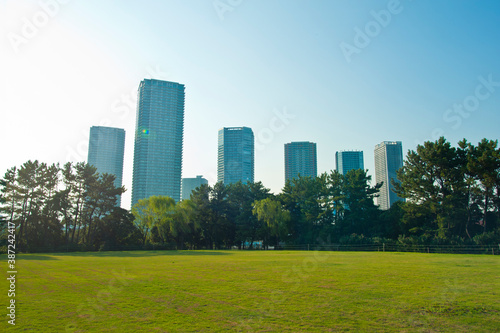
124, 254
35, 257
152, 253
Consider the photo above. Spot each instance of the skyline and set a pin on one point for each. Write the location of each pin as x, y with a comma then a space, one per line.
280, 68
347, 160
106, 148
300, 160
190, 184
388, 160
235, 155
158, 139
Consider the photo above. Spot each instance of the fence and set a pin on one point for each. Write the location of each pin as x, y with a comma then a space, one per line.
493, 249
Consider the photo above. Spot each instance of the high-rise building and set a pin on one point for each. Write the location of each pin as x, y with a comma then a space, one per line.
348, 160
300, 159
158, 140
388, 160
190, 184
235, 161
106, 149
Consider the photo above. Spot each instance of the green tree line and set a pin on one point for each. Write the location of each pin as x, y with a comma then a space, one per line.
452, 197
58, 207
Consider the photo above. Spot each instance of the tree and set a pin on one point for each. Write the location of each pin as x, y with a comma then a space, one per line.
152, 213
46, 214
439, 188
117, 231
60, 204
361, 214
429, 180
163, 208
220, 230
390, 221
3, 218
185, 228
224, 213
86, 199
200, 199
306, 198
335, 185
27, 193
240, 199
101, 196
10, 194
272, 212
483, 164
78, 179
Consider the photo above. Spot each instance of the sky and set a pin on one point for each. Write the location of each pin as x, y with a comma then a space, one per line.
346, 75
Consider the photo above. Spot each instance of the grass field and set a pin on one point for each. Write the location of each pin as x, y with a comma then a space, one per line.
259, 291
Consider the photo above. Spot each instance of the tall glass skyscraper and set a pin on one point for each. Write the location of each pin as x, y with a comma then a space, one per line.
388, 160
190, 184
158, 140
106, 148
235, 161
300, 158
348, 160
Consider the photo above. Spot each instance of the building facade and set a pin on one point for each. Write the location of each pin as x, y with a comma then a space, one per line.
190, 184
158, 140
300, 159
106, 150
388, 160
348, 160
235, 160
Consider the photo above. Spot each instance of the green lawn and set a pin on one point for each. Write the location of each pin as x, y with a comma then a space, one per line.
259, 291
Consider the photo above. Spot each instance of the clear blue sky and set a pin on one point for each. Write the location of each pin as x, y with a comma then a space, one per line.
344, 74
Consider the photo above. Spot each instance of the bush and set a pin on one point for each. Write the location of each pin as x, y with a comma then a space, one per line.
487, 238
